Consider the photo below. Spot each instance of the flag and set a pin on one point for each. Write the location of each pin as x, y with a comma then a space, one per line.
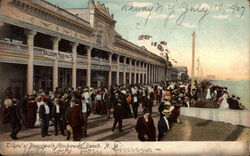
163, 43
155, 43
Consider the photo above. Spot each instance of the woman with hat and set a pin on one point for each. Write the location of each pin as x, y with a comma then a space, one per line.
31, 112
164, 124
175, 112
164, 105
39, 102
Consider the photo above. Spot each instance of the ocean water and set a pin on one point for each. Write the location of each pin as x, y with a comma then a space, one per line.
239, 88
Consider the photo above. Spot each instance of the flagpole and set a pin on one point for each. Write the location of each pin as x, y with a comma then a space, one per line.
198, 70
193, 60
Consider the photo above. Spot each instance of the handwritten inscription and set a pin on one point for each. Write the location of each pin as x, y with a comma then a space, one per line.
181, 11
80, 148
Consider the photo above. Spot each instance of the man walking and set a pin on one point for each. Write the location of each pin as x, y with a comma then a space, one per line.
44, 114
75, 120
57, 115
16, 120
145, 127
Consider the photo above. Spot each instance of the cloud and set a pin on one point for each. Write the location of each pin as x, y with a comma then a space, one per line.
188, 25
221, 17
153, 15
141, 4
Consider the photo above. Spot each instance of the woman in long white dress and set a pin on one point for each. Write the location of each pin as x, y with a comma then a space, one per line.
208, 97
224, 104
39, 102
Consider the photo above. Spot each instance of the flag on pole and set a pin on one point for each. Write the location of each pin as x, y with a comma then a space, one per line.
163, 43
140, 38
174, 60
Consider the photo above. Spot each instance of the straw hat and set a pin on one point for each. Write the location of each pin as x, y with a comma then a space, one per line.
167, 97
166, 112
69, 128
56, 100
167, 103
85, 89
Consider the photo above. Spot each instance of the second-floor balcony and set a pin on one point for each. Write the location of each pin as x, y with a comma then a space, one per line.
13, 47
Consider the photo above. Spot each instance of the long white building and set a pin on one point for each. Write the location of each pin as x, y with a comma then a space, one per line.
43, 46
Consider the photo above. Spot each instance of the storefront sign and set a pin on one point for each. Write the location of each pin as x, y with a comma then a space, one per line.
61, 56
101, 68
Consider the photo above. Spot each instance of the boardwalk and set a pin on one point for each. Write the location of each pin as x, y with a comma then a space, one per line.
99, 129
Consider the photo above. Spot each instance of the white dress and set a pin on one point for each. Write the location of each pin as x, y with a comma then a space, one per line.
208, 94
224, 104
37, 123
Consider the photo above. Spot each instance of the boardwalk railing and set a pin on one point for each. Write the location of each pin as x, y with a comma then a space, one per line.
235, 117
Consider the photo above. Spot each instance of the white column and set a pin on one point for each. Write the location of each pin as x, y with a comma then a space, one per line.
151, 73
135, 72
143, 72
74, 47
155, 73
110, 72
139, 72
30, 68
130, 74
146, 72
55, 41
149, 76
89, 67
118, 70
124, 73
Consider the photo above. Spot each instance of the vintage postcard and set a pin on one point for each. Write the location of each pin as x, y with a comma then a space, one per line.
124, 77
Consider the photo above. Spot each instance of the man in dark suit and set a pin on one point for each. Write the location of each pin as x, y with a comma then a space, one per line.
44, 114
57, 116
75, 120
145, 127
67, 120
164, 124
135, 104
16, 120
117, 113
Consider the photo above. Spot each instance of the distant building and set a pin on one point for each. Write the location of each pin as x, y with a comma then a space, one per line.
174, 74
212, 77
182, 72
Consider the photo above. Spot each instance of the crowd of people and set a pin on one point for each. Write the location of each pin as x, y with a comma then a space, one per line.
221, 96
68, 110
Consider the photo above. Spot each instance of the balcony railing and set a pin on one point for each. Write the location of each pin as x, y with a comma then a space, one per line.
13, 47
81, 58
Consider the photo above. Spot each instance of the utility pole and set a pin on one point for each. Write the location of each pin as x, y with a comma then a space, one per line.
198, 69
193, 62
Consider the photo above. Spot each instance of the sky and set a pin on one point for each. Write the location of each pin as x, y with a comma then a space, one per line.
221, 27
